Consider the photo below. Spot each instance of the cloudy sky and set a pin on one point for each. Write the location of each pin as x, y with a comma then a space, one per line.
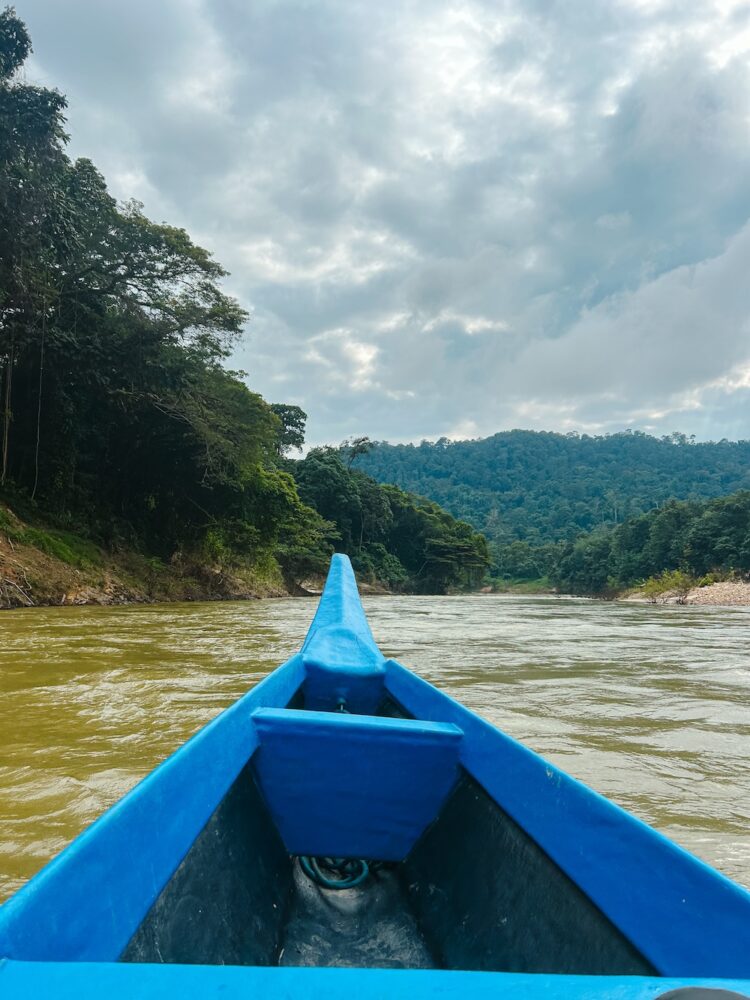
445, 218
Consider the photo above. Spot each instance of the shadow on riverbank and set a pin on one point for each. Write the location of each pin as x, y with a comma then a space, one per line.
51, 567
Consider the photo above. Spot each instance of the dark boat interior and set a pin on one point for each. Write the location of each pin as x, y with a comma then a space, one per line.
474, 892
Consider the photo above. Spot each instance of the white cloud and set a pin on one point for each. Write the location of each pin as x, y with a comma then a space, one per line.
446, 217
681, 331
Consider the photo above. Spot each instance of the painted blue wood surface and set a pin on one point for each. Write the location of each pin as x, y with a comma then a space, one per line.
340, 605
685, 917
343, 664
353, 786
83, 981
87, 902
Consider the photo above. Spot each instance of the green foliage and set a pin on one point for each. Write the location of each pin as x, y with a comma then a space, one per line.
708, 540
593, 514
540, 487
305, 548
63, 545
671, 582
117, 412
292, 430
584, 565
376, 564
521, 561
15, 44
8, 524
324, 483
402, 540
353, 448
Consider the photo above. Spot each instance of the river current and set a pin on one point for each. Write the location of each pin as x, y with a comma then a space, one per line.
649, 705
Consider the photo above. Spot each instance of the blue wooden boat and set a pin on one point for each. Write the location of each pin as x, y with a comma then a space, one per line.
345, 829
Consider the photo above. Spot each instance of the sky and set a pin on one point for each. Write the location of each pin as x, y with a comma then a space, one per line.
445, 219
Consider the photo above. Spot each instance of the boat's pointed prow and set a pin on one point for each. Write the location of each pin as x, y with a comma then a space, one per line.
343, 664
340, 603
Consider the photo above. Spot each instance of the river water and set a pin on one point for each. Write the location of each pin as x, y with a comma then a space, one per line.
648, 704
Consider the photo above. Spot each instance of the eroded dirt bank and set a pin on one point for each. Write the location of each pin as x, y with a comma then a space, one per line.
40, 567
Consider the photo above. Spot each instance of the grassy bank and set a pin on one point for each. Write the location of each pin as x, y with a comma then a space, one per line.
40, 565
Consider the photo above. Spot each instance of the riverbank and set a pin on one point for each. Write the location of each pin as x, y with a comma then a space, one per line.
730, 593
723, 594
44, 567
41, 567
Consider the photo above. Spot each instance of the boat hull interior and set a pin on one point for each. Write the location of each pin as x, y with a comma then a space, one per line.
473, 890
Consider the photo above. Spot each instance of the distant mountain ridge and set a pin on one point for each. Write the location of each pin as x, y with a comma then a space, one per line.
540, 486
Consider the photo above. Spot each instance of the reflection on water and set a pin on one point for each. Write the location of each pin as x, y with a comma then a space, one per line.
649, 705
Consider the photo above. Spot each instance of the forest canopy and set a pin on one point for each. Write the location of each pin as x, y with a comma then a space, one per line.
118, 416
588, 514
540, 487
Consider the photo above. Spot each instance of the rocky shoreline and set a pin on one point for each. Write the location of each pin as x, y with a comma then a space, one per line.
724, 594
730, 593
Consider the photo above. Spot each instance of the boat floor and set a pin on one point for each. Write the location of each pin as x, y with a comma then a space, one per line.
370, 925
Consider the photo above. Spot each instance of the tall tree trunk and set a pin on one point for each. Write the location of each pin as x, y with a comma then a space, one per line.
39, 401
7, 413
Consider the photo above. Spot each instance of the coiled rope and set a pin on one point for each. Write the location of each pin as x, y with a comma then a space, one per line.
335, 873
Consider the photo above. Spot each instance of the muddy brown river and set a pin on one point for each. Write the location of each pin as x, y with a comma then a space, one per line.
649, 705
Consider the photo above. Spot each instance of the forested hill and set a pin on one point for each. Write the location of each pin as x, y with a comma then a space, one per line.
121, 428
541, 487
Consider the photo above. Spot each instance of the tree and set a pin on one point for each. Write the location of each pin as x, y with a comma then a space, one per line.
671, 583
392, 536
326, 484
293, 420
584, 565
352, 448
31, 155
542, 487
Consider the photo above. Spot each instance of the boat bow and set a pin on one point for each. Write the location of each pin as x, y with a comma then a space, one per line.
344, 668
